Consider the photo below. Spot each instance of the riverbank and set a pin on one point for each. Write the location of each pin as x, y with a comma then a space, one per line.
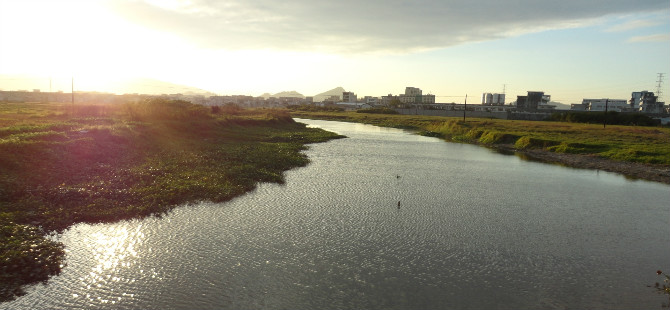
64, 164
636, 152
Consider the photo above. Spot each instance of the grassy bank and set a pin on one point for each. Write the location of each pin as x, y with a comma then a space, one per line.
64, 164
648, 145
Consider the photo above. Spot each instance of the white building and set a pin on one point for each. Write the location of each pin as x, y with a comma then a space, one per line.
636, 98
647, 102
415, 95
616, 105
428, 99
373, 101
493, 99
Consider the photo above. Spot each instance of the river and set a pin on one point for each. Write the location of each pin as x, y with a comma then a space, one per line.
384, 220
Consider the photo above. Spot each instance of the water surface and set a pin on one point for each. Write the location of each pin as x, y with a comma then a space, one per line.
474, 230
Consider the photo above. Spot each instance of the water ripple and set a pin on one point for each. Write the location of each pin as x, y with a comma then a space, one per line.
474, 229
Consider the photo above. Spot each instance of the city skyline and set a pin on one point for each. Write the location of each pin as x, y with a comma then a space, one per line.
571, 50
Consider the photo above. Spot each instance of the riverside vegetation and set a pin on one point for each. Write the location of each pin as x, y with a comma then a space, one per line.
640, 152
62, 164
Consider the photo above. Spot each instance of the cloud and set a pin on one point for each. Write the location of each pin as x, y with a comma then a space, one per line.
364, 26
651, 38
633, 24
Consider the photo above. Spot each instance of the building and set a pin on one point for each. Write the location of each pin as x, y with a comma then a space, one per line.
388, 99
428, 99
493, 99
649, 103
332, 99
636, 99
348, 96
415, 95
616, 105
412, 95
413, 91
372, 101
533, 101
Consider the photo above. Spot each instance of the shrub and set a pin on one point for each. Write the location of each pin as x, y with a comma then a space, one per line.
612, 118
314, 108
494, 137
160, 108
528, 142
378, 111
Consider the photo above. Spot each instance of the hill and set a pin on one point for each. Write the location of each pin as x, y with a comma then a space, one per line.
337, 91
290, 93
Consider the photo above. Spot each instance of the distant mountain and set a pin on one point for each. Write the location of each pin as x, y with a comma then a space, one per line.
155, 87
337, 91
291, 93
560, 106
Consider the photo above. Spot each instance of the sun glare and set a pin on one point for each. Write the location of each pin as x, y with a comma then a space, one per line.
78, 38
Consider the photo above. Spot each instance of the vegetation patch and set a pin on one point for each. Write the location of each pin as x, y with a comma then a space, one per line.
612, 118
377, 111
315, 108
527, 142
578, 148
495, 137
25, 257
475, 134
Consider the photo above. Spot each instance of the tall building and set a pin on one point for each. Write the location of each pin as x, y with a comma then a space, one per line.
493, 99
649, 103
636, 99
487, 98
348, 96
412, 91
415, 95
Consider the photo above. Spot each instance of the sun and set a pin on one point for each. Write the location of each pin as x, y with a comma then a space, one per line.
82, 39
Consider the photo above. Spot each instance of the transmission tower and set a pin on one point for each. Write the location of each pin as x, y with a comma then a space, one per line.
659, 84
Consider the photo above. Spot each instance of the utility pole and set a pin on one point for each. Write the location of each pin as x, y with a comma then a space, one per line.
605, 116
72, 84
465, 107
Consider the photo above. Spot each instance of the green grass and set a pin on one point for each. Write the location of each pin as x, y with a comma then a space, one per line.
649, 145
97, 163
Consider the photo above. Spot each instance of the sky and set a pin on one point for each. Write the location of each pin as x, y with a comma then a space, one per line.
570, 49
